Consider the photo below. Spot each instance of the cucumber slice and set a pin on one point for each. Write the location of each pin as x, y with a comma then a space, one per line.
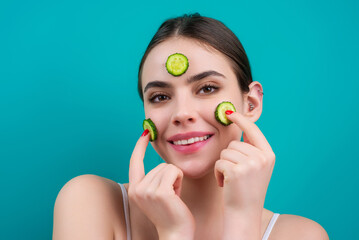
177, 64
148, 124
220, 112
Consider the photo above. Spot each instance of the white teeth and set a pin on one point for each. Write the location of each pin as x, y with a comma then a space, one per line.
191, 140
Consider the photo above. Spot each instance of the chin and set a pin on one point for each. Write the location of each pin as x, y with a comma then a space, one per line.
194, 166
194, 169
195, 174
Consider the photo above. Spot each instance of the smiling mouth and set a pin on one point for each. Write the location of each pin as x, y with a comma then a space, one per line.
190, 141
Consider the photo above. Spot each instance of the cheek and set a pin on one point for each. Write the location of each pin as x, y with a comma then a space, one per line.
160, 119
206, 111
225, 133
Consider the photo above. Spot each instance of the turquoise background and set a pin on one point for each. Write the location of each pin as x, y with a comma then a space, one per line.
69, 105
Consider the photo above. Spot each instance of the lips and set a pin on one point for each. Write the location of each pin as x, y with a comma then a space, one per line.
190, 142
189, 135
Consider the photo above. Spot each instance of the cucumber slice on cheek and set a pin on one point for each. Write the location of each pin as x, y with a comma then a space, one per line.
177, 64
148, 124
220, 112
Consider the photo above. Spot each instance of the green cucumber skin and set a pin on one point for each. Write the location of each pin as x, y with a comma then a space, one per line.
151, 127
220, 112
168, 61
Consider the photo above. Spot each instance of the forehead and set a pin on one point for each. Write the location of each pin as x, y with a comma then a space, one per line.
200, 57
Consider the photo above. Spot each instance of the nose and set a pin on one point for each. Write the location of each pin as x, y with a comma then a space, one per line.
184, 113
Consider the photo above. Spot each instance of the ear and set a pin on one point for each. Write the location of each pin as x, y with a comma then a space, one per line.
255, 97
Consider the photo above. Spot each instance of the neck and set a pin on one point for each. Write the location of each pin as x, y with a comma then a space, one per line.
202, 196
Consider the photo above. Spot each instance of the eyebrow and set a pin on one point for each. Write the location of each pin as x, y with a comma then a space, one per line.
202, 75
192, 79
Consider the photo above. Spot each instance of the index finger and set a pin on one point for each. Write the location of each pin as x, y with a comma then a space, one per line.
253, 133
137, 170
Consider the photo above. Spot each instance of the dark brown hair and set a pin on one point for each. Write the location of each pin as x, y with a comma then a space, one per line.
210, 32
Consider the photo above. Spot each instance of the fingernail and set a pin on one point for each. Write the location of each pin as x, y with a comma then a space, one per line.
228, 112
145, 132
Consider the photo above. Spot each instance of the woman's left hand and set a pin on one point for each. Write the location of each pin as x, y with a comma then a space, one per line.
244, 171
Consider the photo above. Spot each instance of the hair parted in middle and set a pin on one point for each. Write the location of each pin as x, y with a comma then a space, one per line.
207, 31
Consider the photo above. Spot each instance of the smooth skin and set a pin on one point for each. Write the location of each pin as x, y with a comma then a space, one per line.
217, 192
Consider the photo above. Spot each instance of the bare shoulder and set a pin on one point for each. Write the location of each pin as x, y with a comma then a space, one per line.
89, 200
89, 187
297, 227
87, 183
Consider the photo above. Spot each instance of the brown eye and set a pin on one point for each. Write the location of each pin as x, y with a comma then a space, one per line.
208, 89
159, 98
162, 98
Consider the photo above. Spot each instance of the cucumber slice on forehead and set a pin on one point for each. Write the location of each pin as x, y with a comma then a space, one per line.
220, 112
177, 64
148, 124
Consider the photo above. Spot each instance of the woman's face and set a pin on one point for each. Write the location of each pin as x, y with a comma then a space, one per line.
183, 107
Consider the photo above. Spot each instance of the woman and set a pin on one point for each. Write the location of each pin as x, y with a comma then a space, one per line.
213, 185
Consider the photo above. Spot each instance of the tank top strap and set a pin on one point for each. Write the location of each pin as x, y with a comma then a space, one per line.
126, 210
270, 226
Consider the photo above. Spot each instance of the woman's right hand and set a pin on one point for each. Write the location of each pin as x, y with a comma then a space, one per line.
157, 194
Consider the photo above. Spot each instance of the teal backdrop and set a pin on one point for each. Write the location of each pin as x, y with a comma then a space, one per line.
69, 103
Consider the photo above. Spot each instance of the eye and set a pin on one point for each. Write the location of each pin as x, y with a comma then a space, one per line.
207, 89
157, 98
